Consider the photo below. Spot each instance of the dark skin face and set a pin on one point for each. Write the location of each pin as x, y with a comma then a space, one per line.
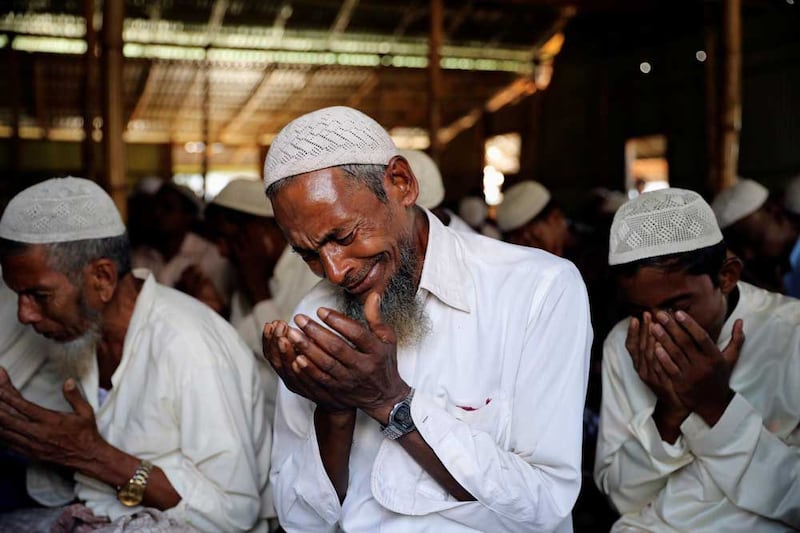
344, 232
677, 319
47, 299
768, 233
549, 233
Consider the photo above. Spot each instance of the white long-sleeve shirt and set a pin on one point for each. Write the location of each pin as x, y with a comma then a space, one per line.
741, 475
187, 396
500, 385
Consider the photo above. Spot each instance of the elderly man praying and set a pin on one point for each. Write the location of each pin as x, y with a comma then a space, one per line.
167, 403
435, 379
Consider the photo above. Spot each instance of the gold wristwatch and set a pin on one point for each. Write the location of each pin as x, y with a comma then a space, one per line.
131, 493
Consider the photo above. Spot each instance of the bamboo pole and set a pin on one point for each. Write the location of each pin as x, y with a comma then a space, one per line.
731, 104
113, 123
435, 78
91, 69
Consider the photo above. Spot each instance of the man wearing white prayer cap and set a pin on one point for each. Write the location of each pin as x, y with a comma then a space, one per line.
700, 422
431, 189
529, 216
168, 405
419, 388
178, 256
759, 231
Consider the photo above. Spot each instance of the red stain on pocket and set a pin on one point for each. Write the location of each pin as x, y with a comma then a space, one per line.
468, 408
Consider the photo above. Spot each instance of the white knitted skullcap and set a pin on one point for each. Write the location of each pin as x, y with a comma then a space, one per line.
431, 188
244, 195
791, 198
473, 210
521, 203
60, 210
325, 138
663, 222
736, 202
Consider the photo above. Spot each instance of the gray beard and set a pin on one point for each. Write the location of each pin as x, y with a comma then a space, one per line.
75, 357
400, 307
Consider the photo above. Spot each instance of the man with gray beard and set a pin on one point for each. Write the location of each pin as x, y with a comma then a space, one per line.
434, 380
167, 428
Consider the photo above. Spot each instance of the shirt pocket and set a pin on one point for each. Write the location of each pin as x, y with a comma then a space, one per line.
490, 415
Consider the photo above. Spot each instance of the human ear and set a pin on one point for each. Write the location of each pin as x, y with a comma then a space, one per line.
400, 181
730, 273
102, 278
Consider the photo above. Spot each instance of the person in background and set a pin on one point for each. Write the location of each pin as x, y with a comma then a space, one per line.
167, 425
431, 189
181, 258
758, 230
474, 211
435, 379
529, 216
700, 421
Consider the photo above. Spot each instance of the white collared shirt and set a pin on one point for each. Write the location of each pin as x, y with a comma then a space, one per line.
741, 475
186, 396
500, 385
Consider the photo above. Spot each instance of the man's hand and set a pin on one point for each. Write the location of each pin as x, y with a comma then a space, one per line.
67, 439
670, 411
359, 370
280, 353
699, 371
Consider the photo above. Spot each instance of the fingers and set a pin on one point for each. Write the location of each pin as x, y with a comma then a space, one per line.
665, 362
632, 342
734, 347
11, 397
697, 333
673, 339
328, 353
79, 404
372, 312
356, 333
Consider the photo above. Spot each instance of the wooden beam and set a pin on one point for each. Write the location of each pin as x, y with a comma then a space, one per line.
40, 96
114, 147
250, 105
435, 77
342, 18
731, 102
90, 93
150, 87
363, 91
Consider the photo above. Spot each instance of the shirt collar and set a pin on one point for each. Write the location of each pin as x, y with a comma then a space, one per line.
443, 272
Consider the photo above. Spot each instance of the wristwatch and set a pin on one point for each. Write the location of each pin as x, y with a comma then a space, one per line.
131, 493
400, 422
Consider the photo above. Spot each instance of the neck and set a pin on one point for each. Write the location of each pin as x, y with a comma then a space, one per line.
116, 318
170, 246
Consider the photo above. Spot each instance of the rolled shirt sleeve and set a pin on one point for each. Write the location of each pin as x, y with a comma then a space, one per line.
755, 469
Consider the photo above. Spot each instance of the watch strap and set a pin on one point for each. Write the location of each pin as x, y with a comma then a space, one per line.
396, 427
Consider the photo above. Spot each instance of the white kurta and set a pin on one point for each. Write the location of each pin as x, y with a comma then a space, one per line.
194, 251
741, 475
500, 385
187, 396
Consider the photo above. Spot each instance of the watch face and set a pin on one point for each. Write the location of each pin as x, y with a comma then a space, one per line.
402, 417
131, 494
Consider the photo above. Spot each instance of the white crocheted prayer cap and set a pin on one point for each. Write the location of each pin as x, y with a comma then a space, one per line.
737, 201
245, 195
431, 188
473, 210
61, 210
325, 138
791, 198
663, 222
521, 203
